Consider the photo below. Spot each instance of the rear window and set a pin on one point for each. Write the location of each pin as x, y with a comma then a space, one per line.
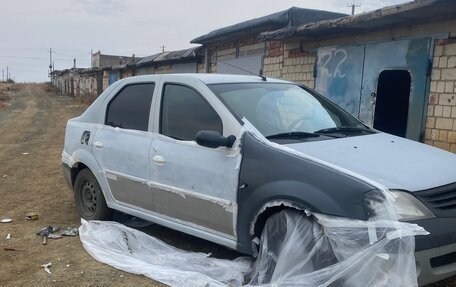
130, 108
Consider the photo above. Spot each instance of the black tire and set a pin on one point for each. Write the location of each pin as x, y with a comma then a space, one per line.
291, 243
89, 198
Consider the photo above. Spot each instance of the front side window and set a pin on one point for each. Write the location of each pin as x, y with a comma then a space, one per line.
130, 108
184, 113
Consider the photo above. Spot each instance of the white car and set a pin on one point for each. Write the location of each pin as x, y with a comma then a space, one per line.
176, 150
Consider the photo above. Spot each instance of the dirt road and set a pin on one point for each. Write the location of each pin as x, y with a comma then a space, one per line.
31, 141
32, 129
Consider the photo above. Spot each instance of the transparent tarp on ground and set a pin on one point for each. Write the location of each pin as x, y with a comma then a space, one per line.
296, 249
133, 251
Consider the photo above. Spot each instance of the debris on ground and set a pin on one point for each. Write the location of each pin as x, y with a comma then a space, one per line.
31, 216
25, 153
6, 220
54, 236
46, 232
71, 231
50, 232
8, 237
46, 267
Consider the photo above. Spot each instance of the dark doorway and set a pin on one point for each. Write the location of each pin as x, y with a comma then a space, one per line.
392, 102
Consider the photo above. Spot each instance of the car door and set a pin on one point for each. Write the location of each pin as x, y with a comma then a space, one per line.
193, 184
122, 144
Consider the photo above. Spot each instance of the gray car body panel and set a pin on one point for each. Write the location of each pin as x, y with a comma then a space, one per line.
272, 175
395, 162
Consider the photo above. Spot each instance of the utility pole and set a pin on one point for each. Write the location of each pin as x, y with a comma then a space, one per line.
50, 61
3, 76
163, 48
50, 58
7, 76
353, 6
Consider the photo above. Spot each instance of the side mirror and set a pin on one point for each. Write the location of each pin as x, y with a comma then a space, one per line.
213, 139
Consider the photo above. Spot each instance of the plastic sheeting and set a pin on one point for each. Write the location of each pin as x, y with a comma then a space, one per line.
300, 251
133, 251
295, 250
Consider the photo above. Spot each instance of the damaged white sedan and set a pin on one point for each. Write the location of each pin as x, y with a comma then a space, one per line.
217, 156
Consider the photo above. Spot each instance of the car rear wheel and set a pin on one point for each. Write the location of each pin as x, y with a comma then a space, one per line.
89, 198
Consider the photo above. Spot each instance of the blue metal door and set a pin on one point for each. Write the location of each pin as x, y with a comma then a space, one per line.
339, 75
348, 75
112, 78
410, 55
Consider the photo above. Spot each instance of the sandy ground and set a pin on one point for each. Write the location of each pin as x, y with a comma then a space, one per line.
32, 129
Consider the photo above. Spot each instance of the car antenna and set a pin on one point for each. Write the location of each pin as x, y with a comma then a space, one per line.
263, 78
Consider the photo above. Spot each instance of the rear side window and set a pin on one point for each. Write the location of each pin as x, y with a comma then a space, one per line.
184, 112
130, 108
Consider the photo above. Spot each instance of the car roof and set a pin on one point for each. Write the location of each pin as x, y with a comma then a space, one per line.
213, 78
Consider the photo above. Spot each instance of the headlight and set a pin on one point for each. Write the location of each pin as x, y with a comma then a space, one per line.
395, 205
410, 208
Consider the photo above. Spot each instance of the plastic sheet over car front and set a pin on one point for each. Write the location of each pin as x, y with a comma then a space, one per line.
327, 251
296, 249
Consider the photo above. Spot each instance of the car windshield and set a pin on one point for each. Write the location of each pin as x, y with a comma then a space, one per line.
287, 110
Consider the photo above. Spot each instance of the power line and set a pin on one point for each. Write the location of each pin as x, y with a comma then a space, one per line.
68, 55
39, 58
25, 58
27, 71
22, 49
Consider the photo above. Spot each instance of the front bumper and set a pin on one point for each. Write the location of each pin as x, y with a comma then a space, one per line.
435, 254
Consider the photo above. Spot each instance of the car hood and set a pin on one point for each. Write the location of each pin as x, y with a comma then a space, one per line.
395, 162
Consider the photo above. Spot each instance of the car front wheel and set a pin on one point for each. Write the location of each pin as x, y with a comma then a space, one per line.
89, 198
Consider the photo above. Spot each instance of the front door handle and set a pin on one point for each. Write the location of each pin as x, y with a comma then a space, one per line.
159, 160
98, 144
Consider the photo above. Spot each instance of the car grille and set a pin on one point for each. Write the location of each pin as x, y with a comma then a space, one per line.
443, 260
441, 200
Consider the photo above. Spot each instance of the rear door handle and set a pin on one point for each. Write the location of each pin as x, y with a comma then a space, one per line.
98, 144
159, 160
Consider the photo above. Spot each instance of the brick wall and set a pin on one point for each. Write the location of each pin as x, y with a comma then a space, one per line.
165, 69
273, 59
289, 62
201, 68
126, 73
105, 79
230, 50
441, 117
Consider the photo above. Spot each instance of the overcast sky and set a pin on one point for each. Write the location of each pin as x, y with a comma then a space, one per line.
73, 27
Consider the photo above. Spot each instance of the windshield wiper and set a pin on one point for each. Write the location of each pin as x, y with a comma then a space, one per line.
298, 135
292, 135
344, 129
